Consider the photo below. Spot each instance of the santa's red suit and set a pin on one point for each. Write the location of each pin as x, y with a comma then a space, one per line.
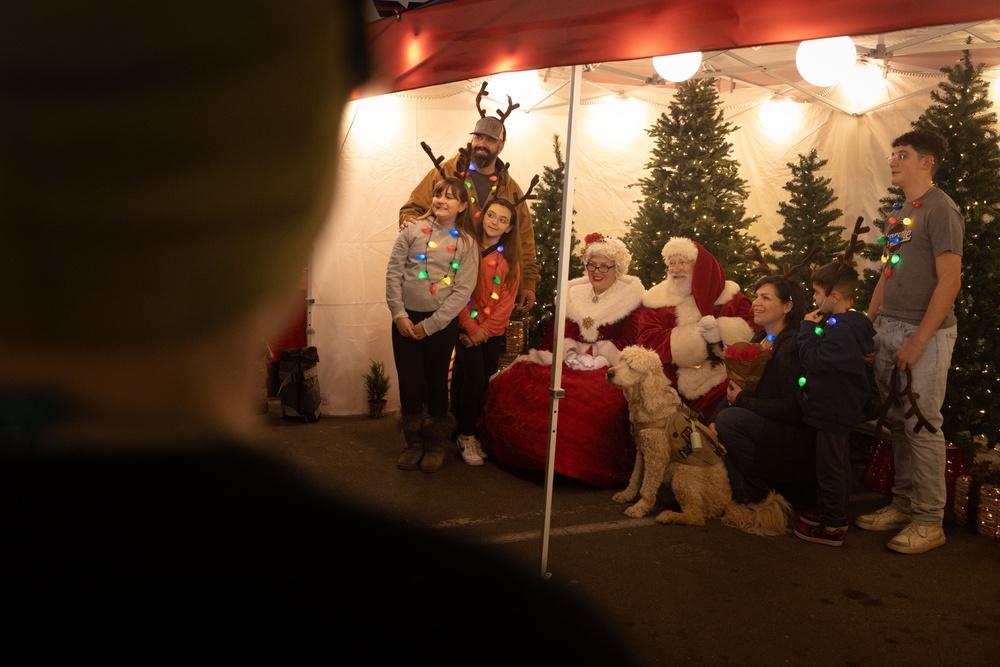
672, 325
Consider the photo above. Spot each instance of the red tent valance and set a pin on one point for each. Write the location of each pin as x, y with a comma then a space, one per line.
466, 39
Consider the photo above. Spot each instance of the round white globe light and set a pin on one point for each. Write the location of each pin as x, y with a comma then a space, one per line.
521, 86
825, 62
780, 118
679, 67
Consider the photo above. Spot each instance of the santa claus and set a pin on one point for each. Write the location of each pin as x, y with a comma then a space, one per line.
688, 320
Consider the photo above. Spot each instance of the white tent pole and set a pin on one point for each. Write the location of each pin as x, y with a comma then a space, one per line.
565, 248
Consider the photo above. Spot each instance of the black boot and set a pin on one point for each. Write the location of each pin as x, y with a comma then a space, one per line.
409, 426
436, 433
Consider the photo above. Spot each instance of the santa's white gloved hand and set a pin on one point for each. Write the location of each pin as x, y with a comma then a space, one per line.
600, 361
708, 328
606, 349
573, 359
580, 362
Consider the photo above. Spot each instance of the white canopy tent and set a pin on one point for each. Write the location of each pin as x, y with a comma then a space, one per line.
382, 160
606, 144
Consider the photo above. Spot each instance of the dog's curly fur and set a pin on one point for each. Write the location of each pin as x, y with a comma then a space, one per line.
703, 492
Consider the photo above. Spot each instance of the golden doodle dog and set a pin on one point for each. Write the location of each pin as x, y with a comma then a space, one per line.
664, 454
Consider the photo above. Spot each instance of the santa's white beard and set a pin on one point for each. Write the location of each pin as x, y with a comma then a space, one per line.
679, 287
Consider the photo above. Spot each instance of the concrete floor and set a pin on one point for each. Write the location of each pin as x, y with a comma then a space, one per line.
686, 595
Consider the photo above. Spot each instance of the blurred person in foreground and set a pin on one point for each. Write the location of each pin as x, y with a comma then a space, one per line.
163, 172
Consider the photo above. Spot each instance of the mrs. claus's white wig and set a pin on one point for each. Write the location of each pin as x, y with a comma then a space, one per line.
613, 249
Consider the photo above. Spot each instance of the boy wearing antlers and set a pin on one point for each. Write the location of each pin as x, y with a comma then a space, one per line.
833, 392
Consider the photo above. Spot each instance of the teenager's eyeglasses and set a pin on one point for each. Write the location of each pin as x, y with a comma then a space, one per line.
603, 268
490, 215
900, 156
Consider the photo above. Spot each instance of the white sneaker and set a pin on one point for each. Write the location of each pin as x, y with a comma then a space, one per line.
479, 448
915, 539
469, 445
887, 518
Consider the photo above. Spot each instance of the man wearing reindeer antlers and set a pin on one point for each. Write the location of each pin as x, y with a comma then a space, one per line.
913, 311
485, 172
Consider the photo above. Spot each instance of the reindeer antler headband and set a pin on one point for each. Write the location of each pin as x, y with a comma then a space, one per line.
461, 173
846, 258
894, 398
502, 115
764, 269
492, 197
461, 167
527, 193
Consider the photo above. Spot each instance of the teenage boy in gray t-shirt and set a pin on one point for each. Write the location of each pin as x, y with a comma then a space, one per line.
913, 311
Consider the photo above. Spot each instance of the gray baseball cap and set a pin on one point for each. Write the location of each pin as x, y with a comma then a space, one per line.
491, 127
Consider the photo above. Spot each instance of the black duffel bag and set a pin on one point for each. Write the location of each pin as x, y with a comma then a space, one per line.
299, 389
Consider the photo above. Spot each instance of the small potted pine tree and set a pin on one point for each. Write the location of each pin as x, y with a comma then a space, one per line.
376, 387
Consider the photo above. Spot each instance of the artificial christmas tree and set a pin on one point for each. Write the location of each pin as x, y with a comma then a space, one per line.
808, 219
970, 174
546, 216
693, 188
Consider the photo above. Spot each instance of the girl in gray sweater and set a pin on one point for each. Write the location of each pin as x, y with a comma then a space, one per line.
431, 273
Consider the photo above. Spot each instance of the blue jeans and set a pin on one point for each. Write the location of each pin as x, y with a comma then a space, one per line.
739, 432
919, 458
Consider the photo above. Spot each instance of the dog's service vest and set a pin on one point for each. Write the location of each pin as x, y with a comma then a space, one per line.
678, 430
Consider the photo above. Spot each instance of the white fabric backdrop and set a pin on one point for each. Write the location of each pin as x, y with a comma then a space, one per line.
381, 161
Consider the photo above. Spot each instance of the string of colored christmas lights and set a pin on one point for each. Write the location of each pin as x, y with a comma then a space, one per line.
494, 295
473, 193
433, 245
892, 240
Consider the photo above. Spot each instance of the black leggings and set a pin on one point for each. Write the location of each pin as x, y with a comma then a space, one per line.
474, 366
422, 367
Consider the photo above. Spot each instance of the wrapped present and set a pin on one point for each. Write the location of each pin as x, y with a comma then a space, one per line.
988, 514
515, 337
964, 504
745, 364
880, 472
506, 359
